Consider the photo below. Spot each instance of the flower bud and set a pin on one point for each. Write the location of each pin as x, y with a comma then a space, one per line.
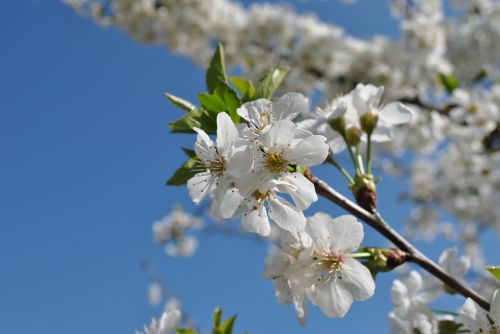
353, 136
338, 124
369, 122
365, 192
383, 259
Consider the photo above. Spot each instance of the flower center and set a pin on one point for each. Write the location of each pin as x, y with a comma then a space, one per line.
275, 162
331, 265
260, 198
217, 166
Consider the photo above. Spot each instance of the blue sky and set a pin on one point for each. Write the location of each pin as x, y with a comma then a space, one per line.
85, 150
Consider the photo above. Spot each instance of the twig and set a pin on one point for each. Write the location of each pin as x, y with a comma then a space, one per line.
381, 226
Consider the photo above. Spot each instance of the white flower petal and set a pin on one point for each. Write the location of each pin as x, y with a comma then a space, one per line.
286, 215
279, 135
398, 325
343, 233
382, 134
333, 299
300, 303
240, 162
366, 97
256, 221
337, 144
226, 133
252, 111
495, 307
472, 316
300, 189
357, 279
276, 264
309, 152
200, 185
204, 146
399, 293
305, 271
396, 113
413, 282
169, 321
228, 202
290, 106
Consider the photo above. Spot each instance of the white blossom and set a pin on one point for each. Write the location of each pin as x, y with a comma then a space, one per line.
333, 279
262, 112
167, 323
172, 231
219, 163
411, 312
279, 146
477, 320
155, 293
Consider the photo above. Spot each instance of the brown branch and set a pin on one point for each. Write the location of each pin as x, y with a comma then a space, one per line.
381, 226
443, 109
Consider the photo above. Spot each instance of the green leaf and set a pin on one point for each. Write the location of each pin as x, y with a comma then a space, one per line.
216, 72
244, 86
186, 331
183, 174
227, 326
189, 152
270, 82
198, 118
449, 82
213, 103
217, 317
181, 103
231, 100
224, 99
495, 271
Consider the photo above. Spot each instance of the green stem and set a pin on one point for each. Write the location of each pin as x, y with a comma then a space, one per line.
360, 161
341, 169
369, 154
360, 255
353, 158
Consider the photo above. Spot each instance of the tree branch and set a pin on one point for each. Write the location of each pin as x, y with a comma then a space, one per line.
381, 226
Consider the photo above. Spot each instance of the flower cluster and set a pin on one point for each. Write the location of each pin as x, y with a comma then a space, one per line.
351, 117
412, 293
318, 265
248, 169
171, 231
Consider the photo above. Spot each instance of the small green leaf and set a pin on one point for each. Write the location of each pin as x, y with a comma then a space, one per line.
449, 82
190, 153
495, 271
216, 72
186, 331
227, 326
231, 100
197, 118
181, 103
270, 82
183, 174
217, 317
224, 99
212, 103
244, 86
